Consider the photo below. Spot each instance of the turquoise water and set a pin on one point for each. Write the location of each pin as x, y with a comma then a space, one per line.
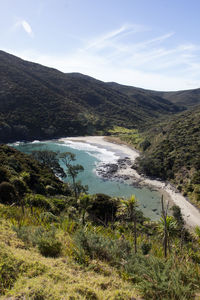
89, 156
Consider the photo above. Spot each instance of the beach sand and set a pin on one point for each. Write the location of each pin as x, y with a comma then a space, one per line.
190, 213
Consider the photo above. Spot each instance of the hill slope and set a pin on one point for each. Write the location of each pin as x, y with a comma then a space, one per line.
21, 173
173, 153
183, 99
37, 102
187, 98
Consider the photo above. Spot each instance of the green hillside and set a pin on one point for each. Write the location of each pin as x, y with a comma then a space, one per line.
21, 174
183, 99
37, 102
93, 247
173, 153
149, 101
186, 98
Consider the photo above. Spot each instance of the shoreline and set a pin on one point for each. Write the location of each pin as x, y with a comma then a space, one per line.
190, 213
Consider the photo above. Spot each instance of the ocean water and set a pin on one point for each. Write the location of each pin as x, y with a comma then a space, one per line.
90, 156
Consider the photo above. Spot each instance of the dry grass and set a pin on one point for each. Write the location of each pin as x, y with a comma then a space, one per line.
60, 278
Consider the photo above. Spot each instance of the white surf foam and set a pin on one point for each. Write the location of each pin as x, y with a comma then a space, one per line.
103, 155
36, 142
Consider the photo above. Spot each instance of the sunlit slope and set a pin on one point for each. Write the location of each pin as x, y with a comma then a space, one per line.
38, 102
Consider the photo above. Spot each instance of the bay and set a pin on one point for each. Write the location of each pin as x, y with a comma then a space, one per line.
90, 156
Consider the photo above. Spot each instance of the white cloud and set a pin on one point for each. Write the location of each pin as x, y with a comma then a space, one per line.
103, 40
25, 25
157, 63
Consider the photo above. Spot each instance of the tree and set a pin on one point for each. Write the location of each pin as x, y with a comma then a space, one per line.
84, 203
178, 215
129, 206
72, 170
50, 159
7, 193
167, 227
103, 208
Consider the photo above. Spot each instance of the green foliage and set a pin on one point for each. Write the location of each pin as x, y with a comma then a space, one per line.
7, 193
9, 270
46, 240
146, 247
174, 153
97, 246
27, 180
176, 277
76, 104
30, 235
49, 159
103, 209
73, 171
38, 200
49, 247
176, 211
128, 208
20, 186
161, 279
4, 174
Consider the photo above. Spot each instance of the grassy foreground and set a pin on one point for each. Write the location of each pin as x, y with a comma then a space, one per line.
26, 274
57, 242
64, 259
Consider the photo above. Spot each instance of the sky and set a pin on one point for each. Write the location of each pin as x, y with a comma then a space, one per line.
152, 44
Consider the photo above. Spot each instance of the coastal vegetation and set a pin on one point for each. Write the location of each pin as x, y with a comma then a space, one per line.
37, 102
169, 151
86, 246
173, 153
59, 242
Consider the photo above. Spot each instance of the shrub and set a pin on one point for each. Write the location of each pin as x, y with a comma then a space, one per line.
25, 176
50, 190
38, 200
160, 279
146, 247
46, 241
30, 235
103, 208
7, 193
49, 247
98, 246
145, 144
3, 174
19, 185
10, 269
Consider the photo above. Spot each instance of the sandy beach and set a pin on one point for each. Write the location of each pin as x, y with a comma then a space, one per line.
190, 213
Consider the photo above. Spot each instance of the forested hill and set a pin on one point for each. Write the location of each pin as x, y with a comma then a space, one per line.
184, 99
173, 153
37, 102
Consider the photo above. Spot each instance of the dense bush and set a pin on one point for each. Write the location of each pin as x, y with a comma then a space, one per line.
7, 193
174, 153
103, 208
160, 279
146, 247
49, 247
46, 240
98, 246
4, 175
20, 174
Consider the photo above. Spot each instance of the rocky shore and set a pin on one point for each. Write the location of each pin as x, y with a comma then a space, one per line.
112, 171
123, 170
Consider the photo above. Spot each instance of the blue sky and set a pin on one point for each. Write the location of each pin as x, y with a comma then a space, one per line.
153, 44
